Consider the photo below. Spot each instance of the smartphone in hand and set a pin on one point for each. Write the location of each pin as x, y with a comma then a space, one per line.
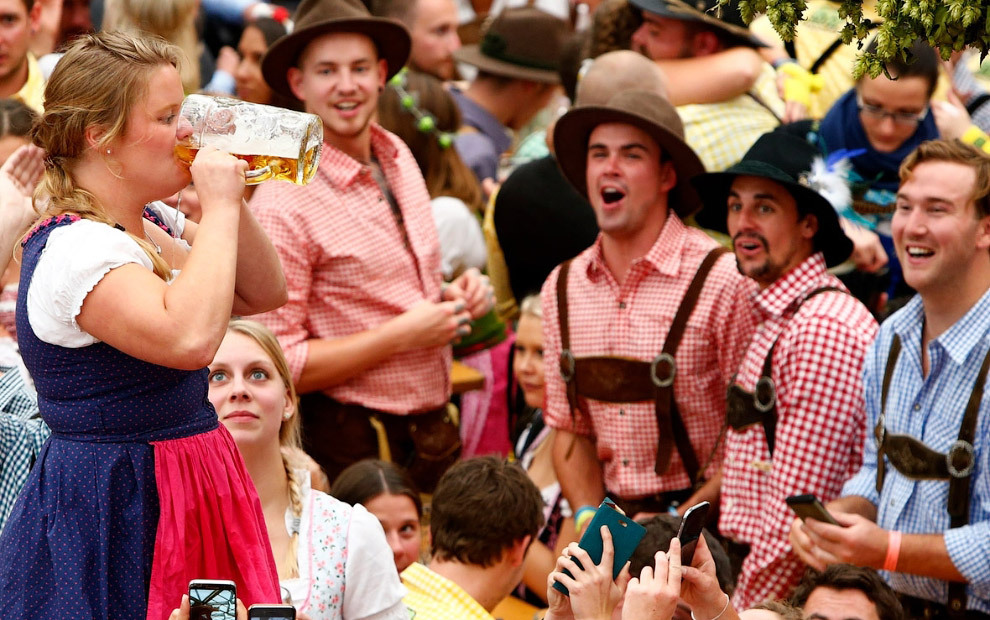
271, 612
807, 507
692, 523
212, 599
625, 532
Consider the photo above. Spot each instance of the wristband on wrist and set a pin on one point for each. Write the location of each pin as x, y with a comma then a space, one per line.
893, 551
977, 137
693, 617
582, 516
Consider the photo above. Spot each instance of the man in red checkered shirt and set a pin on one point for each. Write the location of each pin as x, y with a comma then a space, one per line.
795, 409
635, 416
367, 326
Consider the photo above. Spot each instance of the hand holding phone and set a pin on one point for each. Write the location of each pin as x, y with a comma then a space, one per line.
625, 532
807, 507
692, 523
212, 599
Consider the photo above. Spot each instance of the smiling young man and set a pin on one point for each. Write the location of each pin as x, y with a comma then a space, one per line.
367, 326
635, 363
918, 508
20, 77
795, 408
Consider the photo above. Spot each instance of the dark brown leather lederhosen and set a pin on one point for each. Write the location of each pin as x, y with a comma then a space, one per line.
622, 380
744, 409
915, 460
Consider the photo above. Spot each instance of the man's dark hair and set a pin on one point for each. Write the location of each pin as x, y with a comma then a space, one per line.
659, 531
482, 507
922, 61
849, 577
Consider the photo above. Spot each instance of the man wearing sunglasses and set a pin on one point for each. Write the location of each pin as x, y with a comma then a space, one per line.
919, 508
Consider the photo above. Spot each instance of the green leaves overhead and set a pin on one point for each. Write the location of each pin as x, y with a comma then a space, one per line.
948, 25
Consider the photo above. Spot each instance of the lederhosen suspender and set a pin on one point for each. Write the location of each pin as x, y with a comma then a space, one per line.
620, 380
744, 408
917, 461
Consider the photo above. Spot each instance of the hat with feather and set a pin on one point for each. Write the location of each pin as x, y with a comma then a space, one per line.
799, 167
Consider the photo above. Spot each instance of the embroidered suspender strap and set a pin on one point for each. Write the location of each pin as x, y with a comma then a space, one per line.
567, 364
879, 431
959, 460
670, 426
769, 409
959, 484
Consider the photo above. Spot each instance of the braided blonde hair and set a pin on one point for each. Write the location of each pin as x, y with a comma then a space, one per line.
289, 433
95, 84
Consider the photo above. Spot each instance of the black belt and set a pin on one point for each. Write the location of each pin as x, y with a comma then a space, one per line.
915, 607
658, 502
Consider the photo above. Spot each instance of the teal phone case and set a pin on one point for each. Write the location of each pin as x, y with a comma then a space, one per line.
626, 535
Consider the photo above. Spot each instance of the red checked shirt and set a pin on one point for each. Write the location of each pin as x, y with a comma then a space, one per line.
348, 269
817, 368
633, 321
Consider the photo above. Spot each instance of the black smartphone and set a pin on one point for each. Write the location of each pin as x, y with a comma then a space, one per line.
271, 612
692, 523
807, 507
212, 599
625, 532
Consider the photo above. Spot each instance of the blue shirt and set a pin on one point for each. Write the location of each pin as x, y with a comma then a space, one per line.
480, 151
22, 434
931, 409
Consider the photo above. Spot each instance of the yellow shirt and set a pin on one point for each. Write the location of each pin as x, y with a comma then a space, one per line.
721, 133
506, 306
32, 93
432, 597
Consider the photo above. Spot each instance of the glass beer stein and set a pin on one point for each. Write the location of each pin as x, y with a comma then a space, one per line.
275, 142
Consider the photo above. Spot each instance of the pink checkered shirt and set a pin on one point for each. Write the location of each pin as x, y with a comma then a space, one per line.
348, 269
817, 368
633, 321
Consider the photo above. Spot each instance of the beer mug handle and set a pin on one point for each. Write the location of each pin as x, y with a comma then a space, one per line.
260, 172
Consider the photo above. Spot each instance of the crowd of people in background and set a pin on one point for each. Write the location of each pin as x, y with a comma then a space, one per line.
686, 261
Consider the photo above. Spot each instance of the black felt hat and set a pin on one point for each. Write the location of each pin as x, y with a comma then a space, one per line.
786, 159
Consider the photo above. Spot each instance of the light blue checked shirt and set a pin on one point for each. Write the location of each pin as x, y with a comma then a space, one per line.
931, 409
22, 433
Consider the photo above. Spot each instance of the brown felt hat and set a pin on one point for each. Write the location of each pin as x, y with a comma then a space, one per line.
523, 43
645, 110
315, 18
725, 18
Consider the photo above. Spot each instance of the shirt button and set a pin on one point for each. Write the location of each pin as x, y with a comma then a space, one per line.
622, 305
622, 412
917, 407
625, 462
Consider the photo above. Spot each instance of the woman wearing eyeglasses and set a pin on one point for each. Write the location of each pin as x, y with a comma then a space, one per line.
877, 124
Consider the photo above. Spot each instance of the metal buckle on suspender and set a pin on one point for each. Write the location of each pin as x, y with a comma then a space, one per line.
567, 365
767, 383
663, 358
968, 453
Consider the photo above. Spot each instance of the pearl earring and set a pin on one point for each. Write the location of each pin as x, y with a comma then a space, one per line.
286, 416
108, 151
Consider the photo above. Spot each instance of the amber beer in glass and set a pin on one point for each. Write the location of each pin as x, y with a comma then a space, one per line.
276, 143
